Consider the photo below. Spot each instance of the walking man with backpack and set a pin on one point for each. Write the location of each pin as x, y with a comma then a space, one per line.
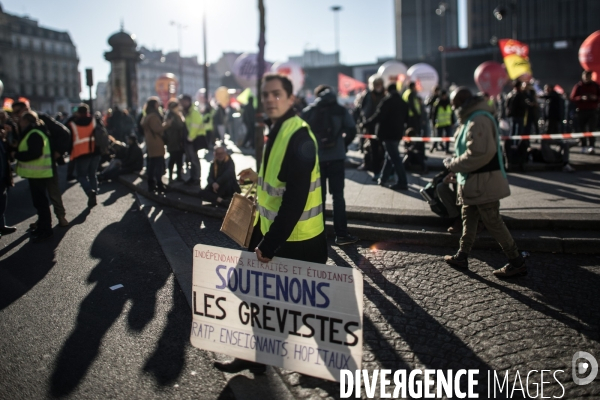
481, 179
86, 151
329, 121
60, 144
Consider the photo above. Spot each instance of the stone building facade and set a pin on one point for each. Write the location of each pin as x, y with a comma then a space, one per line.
38, 63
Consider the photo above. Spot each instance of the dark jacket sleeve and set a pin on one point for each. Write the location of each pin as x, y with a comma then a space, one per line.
134, 159
349, 127
35, 149
228, 173
300, 158
380, 113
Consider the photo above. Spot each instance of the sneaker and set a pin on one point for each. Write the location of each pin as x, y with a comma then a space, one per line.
92, 199
590, 150
460, 259
62, 221
515, 267
33, 226
348, 239
7, 230
38, 236
568, 168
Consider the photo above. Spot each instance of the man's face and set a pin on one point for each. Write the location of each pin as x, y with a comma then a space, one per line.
17, 112
275, 99
378, 87
220, 154
185, 103
586, 78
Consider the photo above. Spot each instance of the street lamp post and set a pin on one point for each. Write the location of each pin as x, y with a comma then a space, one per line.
259, 140
500, 13
441, 11
336, 24
180, 27
207, 105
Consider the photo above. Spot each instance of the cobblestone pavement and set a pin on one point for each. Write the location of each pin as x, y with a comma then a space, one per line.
421, 313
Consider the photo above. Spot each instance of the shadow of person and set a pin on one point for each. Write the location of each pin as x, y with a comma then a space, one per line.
120, 263
168, 359
115, 194
413, 329
22, 270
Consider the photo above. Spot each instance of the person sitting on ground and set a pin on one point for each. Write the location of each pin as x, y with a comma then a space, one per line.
415, 153
222, 181
126, 162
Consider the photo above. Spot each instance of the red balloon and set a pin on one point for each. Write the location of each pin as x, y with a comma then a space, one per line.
589, 52
491, 77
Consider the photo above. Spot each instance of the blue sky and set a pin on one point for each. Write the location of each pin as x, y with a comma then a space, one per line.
366, 27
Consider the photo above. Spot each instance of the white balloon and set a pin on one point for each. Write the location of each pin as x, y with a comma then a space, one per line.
293, 71
245, 69
392, 72
425, 78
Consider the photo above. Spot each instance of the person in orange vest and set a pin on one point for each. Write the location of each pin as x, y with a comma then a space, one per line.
84, 154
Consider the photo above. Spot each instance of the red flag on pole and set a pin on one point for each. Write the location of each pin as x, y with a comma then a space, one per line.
347, 84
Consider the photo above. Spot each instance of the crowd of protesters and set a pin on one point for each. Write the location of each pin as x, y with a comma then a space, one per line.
382, 115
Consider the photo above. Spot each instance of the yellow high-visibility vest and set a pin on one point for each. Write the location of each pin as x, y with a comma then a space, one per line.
444, 116
38, 168
270, 189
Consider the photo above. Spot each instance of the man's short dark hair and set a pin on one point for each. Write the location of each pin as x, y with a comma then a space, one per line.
185, 97
392, 87
19, 104
321, 88
285, 82
412, 85
83, 108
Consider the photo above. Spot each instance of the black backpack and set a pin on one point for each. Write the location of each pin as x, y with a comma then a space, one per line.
59, 135
101, 139
323, 128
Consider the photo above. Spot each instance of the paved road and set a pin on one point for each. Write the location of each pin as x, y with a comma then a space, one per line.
420, 313
64, 333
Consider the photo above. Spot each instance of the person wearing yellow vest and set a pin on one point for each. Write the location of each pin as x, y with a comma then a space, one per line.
414, 108
290, 222
196, 134
84, 154
35, 163
443, 119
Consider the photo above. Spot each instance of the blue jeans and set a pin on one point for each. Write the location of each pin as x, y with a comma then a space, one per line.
85, 169
393, 162
333, 171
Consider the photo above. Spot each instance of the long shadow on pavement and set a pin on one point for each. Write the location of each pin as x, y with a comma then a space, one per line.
120, 263
414, 331
30, 264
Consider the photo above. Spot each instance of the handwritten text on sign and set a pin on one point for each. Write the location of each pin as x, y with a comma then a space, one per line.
297, 315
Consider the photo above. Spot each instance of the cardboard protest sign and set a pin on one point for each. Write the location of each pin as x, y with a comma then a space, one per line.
292, 314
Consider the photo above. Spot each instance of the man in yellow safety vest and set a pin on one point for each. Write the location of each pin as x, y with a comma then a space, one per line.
35, 163
290, 221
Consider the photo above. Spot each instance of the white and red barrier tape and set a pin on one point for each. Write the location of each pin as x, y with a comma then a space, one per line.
553, 136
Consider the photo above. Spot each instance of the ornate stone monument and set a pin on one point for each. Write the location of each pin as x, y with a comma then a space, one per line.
123, 75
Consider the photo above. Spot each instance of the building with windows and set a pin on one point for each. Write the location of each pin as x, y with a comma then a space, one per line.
38, 63
154, 63
542, 24
422, 26
314, 59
